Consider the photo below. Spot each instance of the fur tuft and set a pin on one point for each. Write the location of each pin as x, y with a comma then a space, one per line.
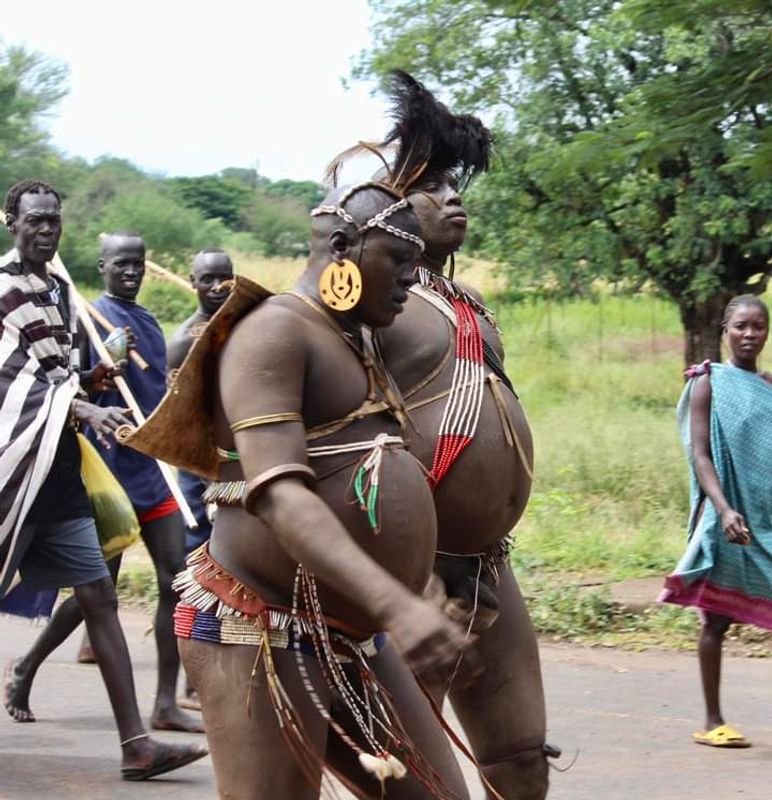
431, 140
427, 139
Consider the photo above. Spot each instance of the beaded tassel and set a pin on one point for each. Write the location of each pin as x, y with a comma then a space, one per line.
370, 707
224, 493
367, 480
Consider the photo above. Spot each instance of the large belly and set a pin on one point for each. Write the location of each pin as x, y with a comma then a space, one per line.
485, 492
404, 546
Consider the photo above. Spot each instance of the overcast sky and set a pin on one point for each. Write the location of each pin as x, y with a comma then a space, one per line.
191, 87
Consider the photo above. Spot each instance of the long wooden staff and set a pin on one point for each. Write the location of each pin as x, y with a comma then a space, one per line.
120, 383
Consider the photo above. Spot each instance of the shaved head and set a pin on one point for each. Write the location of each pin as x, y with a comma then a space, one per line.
122, 264
211, 278
120, 240
362, 204
207, 259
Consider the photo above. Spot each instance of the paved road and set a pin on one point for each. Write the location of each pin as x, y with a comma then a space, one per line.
630, 715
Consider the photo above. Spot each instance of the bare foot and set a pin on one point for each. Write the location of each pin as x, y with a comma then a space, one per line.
174, 719
145, 758
16, 688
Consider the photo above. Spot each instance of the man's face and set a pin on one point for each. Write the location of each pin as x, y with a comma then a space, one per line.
387, 264
210, 276
37, 227
122, 266
441, 214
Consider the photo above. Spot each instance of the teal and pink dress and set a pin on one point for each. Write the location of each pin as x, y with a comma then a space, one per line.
714, 574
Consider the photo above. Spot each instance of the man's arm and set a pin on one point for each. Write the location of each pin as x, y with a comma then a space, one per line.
178, 347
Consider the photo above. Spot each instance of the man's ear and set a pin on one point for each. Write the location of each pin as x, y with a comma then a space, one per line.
192, 279
101, 266
10, 223
340, 244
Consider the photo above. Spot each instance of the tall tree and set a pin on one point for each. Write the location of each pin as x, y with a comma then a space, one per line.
30, 87
632, 137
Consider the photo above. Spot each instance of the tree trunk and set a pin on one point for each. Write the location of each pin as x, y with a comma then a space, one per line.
702, 327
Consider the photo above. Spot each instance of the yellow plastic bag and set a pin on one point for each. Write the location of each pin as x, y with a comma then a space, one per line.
116, 521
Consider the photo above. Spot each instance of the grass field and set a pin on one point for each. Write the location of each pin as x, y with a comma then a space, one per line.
599, 382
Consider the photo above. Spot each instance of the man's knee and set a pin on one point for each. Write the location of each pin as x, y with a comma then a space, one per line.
519, 776
97, 597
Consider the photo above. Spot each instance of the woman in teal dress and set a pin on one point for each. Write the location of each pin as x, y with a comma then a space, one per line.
725, 416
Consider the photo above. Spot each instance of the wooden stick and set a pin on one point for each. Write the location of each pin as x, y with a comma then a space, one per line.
157, 271
122, 386
109, 327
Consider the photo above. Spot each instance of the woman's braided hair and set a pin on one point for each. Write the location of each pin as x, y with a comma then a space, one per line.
744, 300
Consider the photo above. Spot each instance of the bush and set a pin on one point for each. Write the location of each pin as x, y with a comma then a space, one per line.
166, 302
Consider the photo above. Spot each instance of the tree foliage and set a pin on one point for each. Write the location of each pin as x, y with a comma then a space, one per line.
30, 87
281, 223
307, 193
213, 196
631, 138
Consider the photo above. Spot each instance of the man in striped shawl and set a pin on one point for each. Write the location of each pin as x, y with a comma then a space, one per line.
47, 532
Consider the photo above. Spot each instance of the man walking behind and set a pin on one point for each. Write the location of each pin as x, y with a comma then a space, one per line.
47, 531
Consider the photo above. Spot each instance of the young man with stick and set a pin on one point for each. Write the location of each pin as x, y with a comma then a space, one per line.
211, 279
47, 531
122, 265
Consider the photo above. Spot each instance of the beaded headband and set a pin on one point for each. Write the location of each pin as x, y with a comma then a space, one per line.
376, 221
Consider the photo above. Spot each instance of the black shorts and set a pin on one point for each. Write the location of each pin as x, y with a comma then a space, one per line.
62, 554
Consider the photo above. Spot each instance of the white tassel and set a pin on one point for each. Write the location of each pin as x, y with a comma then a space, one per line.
398, 769
377, 767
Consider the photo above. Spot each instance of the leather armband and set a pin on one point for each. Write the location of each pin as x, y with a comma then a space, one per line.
256, 485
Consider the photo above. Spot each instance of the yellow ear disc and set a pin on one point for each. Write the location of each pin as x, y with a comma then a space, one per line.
340, 285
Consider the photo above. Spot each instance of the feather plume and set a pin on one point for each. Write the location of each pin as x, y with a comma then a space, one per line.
427, 139
430, 139
332, 170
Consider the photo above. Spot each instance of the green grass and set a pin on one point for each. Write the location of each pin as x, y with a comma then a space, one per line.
599, 382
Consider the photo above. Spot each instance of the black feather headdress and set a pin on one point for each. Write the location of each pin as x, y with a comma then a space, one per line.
427, 140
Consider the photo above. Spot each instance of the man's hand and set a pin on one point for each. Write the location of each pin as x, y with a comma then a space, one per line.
430, 643
103, 421
102, 376
131, 338
466, 580
735, 529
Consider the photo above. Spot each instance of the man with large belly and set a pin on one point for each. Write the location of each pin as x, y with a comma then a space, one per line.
324, 537
470, 431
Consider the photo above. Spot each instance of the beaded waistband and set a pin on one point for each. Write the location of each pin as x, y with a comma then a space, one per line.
206, 626
206, 585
